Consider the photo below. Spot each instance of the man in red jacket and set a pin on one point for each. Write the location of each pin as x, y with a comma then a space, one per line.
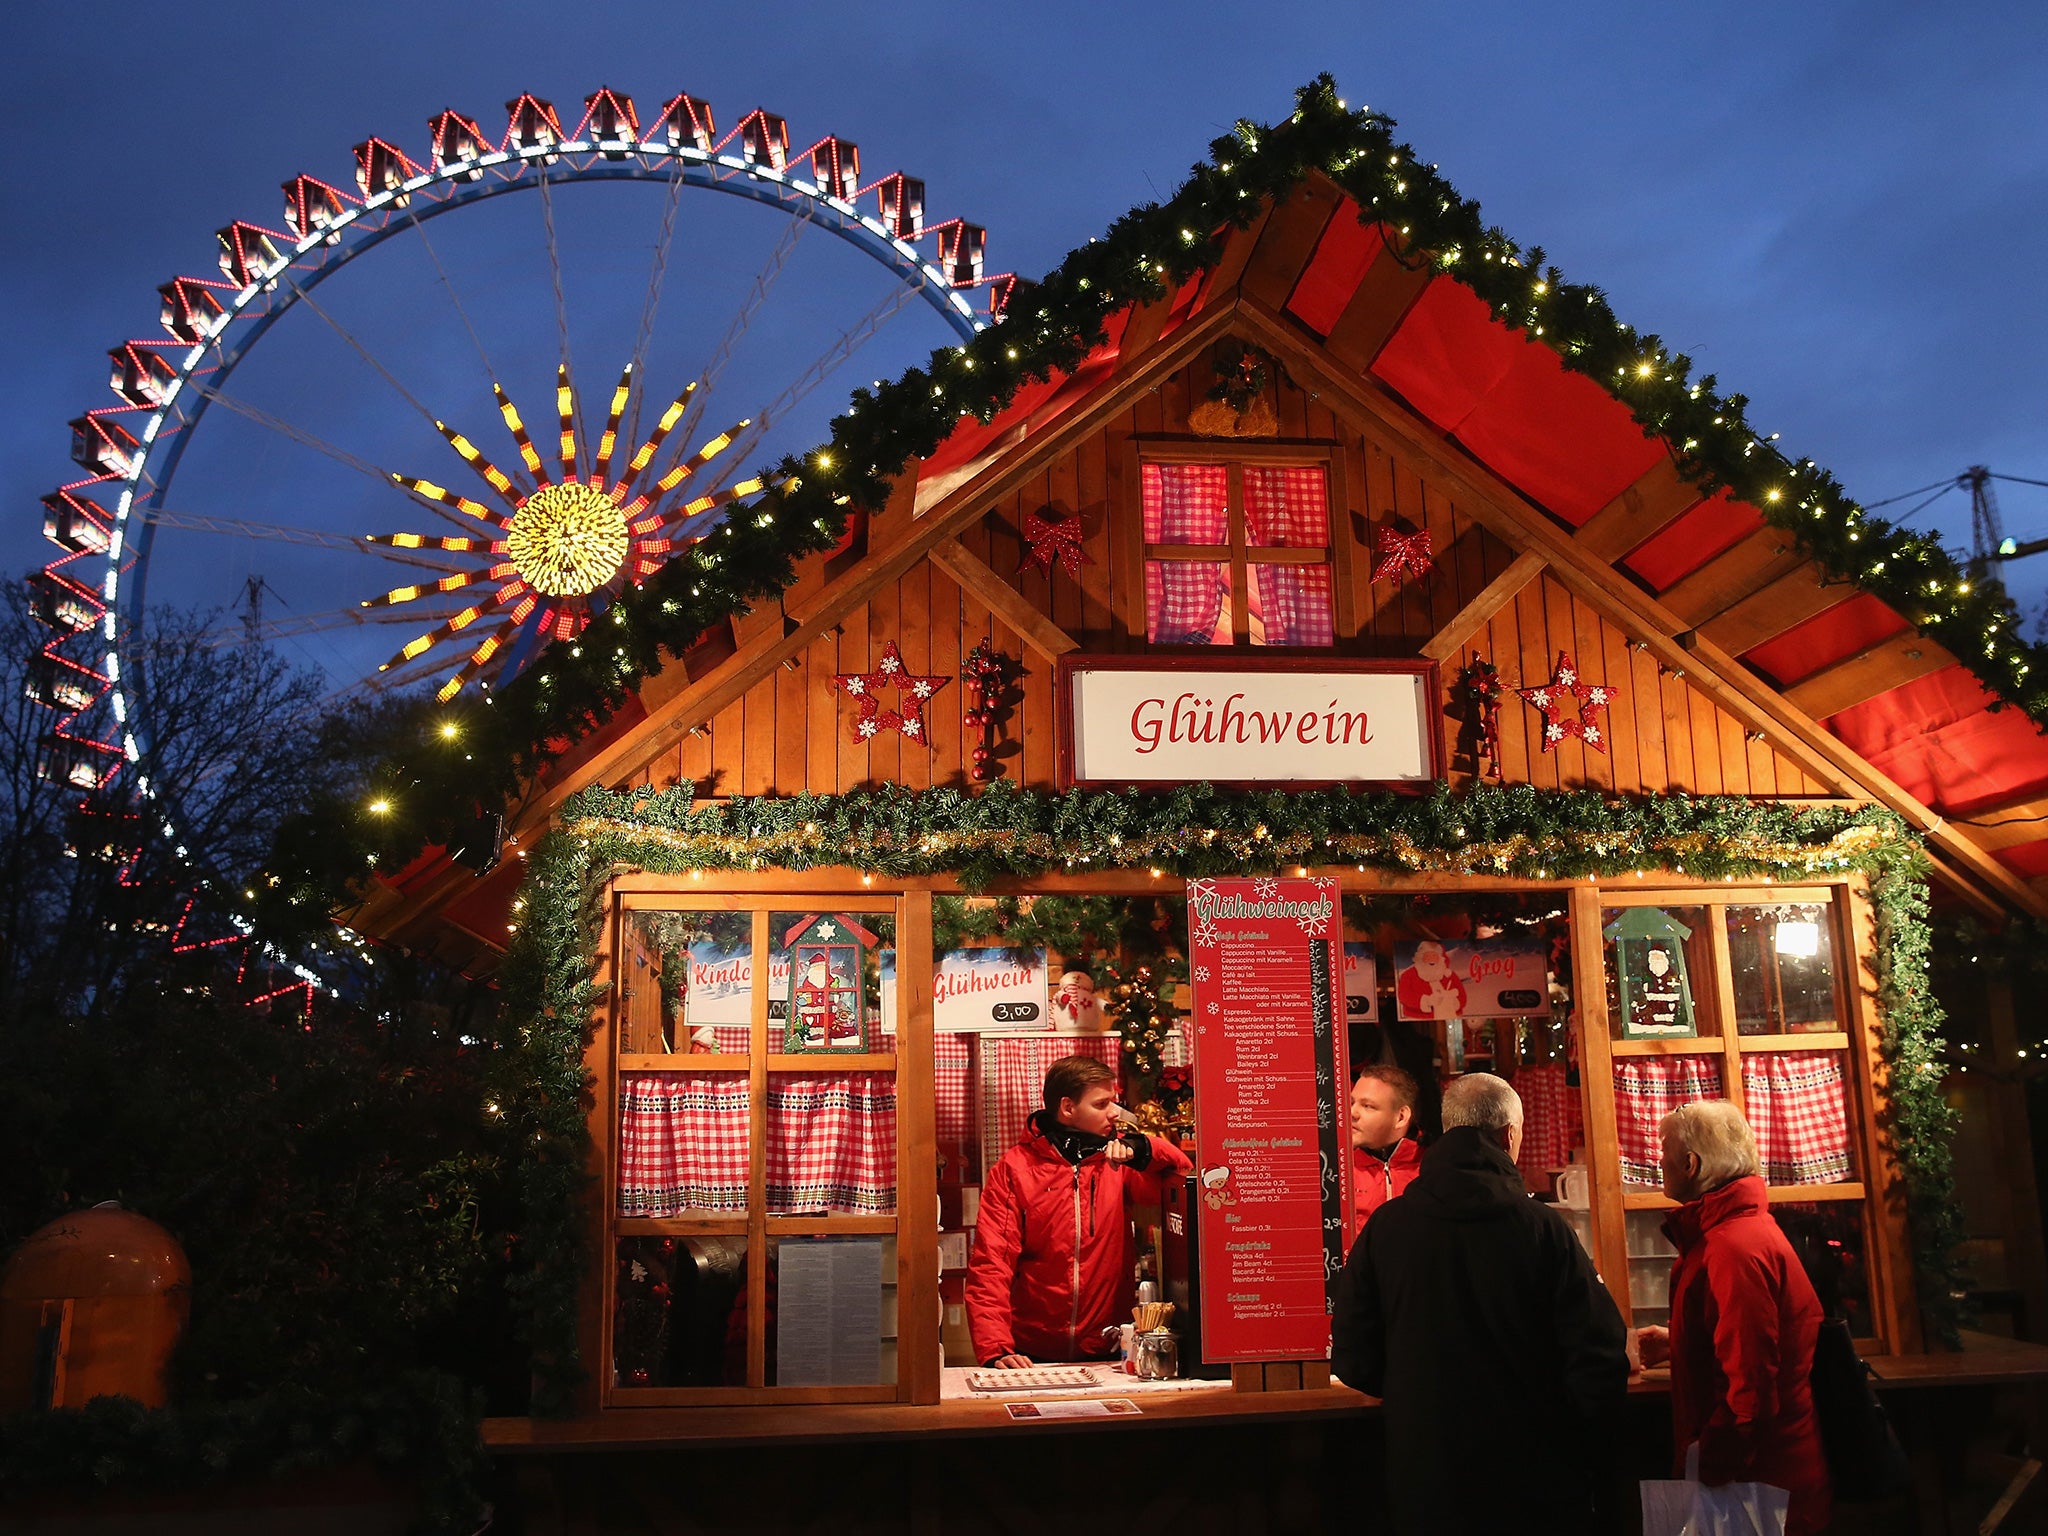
1053, 1250
1383, 1159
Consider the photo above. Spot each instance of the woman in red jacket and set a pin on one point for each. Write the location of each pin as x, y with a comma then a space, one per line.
1744, 1318
1053, 1252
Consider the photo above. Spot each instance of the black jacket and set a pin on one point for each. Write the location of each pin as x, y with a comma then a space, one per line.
1473, 1312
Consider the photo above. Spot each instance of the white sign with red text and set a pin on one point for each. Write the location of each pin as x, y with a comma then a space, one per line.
977, 989
1192, 721
721, 984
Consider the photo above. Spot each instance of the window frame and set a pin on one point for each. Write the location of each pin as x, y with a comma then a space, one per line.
1234, 456
1851, 930
607, 1061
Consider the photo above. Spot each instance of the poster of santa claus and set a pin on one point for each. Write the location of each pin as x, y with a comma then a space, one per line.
1439, 980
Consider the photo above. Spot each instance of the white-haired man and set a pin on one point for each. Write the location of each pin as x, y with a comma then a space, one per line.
1472, 1312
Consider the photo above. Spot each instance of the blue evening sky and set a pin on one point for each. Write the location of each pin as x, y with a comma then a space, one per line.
1839, 209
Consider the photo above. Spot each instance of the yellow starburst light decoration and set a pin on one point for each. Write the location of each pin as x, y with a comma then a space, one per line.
568, 540
554, 552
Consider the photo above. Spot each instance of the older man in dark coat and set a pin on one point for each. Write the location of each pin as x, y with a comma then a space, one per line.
1474, 1314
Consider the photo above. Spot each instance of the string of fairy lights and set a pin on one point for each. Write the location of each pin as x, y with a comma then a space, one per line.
1051, 327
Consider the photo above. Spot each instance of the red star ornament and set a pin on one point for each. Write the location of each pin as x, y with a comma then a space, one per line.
913, 693
1054, 540
1403, 555
1593, 699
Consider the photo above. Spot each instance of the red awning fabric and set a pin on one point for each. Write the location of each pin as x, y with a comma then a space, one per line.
1828, 637
1556, 436
1345, 253
2026, 861
1690, 540
1938, 737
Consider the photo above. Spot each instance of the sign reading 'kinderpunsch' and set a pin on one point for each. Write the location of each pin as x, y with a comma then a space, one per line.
1154, 719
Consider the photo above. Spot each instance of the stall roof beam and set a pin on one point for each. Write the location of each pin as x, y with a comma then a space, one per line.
978, 577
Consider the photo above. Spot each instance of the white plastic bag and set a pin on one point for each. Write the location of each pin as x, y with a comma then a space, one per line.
1687, 1507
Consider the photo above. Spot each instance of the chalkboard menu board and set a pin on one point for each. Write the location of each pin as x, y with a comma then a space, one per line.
1269, 1076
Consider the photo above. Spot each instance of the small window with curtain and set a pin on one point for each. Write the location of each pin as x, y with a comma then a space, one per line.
1238, 554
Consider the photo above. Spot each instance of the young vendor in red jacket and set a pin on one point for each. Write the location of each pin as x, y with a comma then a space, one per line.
1383, 1159
1053, 1250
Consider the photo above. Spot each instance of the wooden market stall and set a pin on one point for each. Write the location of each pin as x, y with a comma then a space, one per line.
1315, 458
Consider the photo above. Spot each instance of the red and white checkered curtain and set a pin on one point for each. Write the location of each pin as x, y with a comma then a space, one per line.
1288, 506
1294, 604
1646, 1089
1013, 1083
731, 1039
832, 1143
1798, 1107
1185, 504
683, 1142
1552, 1122
951, 1055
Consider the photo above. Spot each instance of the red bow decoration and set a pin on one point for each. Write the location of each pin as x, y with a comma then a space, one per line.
1403, 554
1593, 699
912, 693
1054, 539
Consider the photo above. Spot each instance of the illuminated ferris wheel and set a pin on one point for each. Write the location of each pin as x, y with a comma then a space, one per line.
448, 578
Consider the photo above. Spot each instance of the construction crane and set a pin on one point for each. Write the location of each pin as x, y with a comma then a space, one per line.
1988, 541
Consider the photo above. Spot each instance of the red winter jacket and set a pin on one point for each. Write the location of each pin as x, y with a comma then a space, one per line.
1743, 1323
1053, 1252
1374, 1183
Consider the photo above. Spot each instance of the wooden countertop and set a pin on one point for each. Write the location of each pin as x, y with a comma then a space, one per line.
650, 1428
1984, 1359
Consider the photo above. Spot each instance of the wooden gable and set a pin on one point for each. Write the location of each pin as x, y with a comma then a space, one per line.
1671, 595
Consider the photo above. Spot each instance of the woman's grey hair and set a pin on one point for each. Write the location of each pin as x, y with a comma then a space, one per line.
1714, 1131
1483, 1100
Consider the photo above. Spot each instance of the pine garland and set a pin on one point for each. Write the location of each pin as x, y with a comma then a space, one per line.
1011, 833
478, 753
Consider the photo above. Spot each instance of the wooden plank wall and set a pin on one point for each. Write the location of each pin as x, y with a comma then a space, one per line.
791, 732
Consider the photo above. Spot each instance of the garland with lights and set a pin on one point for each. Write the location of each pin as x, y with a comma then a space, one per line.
481, 752
1009, 833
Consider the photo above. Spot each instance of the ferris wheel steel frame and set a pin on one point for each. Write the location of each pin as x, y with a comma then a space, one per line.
219, 322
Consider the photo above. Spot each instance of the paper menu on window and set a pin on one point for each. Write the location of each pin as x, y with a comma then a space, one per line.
828, 1312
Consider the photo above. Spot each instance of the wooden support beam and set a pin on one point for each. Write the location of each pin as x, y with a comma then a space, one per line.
1141, 331
1731, 576
1469, 620
977, 577
2009, 825
1376, 309
1715, 673
1238, 245
1874, 670
1289, 240
1768, 612
1659, 498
